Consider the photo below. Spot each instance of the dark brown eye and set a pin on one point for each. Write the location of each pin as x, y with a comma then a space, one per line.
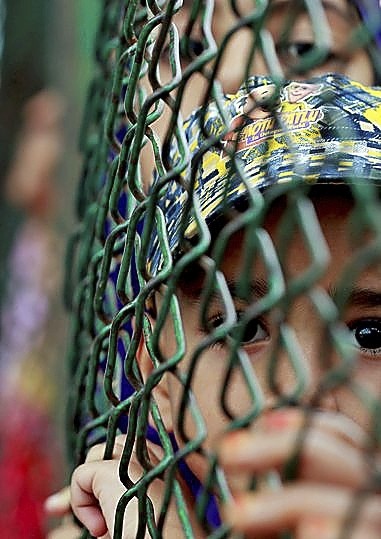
196, 46
255, 331
191, 48
293, 52
367, 335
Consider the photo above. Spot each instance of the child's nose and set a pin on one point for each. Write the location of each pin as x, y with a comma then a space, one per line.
304, 368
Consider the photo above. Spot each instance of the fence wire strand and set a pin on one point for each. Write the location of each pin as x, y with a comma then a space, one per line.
156, 61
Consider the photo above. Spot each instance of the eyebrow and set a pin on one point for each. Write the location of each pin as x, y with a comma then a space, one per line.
350, 16
258, 288
359, 297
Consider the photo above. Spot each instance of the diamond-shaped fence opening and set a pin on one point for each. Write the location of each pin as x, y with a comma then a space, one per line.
202, 237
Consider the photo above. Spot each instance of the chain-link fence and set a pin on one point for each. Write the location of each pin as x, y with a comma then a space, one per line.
207, 273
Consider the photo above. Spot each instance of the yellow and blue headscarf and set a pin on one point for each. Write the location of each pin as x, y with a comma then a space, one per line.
325, 130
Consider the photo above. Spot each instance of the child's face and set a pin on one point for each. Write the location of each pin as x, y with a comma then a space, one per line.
362, 317
342, 20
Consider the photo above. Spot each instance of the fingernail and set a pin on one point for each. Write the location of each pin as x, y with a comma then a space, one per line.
52, 502
232, 443
57, 501
282, 419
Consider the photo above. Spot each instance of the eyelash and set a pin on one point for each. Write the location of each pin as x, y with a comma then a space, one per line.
361, 328
217, 320
294, 51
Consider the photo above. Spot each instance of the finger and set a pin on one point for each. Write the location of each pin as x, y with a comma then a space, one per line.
96, 452
329, 528
58, 504
67, 530
323, 457
273, 512
340, 425
295, 419
93, 499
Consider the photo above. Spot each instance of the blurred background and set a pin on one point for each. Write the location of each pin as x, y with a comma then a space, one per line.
46, 63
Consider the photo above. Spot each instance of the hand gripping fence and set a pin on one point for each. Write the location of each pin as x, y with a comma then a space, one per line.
123, 255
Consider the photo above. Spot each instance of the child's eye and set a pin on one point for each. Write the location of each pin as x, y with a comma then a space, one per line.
295, 51
191, 48
254, 331
366, 334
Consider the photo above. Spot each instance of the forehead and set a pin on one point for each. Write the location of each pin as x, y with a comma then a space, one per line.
330, 212
245, 5
331, 209
343, 8
341, 15
340, 6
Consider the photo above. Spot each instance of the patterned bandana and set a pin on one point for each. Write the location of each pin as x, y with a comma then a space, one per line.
325, 130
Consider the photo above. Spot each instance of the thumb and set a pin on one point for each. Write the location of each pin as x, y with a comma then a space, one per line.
58, 504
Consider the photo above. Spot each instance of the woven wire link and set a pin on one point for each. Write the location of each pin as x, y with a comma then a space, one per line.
147, 55
2, 23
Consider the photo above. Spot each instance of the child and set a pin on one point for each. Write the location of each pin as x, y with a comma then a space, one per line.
287, 342
342, 18
290, 34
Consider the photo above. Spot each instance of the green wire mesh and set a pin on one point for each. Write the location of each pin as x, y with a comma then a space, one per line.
148, 53
2, 20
